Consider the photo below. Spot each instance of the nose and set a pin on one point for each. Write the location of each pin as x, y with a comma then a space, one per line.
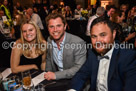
98, 42
27, 32
55, 28
98, 39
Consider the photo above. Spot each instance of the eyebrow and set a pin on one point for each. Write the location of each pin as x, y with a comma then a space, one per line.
28, 29
56, 25
102, 32
99, 33
59, 24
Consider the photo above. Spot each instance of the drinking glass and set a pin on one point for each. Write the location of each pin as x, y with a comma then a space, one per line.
1, 78
26, 79
18, 80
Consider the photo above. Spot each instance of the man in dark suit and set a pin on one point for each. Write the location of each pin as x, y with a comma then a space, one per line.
108, 67
110, 11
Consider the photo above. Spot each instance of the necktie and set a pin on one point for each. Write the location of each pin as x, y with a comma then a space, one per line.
101, 57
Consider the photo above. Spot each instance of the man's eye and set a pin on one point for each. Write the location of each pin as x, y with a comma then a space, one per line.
93, 36
50, 26
59, 25
103, 35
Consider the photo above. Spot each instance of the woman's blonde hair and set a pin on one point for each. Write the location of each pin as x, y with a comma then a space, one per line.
39, 45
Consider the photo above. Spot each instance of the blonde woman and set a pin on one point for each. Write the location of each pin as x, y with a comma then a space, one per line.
68, 12
28, 52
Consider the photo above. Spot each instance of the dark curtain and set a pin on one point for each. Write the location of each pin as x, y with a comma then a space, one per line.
131, 3
71, 3
11, 7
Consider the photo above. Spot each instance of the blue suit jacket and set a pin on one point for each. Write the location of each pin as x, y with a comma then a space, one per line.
121, 75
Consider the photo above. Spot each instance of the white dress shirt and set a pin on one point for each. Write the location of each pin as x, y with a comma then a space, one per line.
102, 77
58, 54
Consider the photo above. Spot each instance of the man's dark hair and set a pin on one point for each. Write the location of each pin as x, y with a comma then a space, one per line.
104, 20
54, 16
111, 6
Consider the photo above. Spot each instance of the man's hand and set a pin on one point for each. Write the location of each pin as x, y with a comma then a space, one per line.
50, 76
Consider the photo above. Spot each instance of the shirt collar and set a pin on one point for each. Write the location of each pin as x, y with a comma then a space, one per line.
109, 53
61, 44
96, 15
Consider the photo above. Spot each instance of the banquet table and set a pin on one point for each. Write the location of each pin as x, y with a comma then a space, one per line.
54, 85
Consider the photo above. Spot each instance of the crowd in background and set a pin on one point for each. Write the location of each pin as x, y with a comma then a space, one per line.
124, 16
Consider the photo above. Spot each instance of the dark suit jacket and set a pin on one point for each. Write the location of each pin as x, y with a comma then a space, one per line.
106, 16
121, 75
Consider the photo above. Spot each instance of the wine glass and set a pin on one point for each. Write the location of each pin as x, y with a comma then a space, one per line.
26, 79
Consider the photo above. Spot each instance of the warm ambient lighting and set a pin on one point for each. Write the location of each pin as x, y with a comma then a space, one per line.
93, 2
62, 3
104, 3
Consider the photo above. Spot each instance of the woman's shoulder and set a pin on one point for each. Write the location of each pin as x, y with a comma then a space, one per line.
17, 45
17, 48
18, 41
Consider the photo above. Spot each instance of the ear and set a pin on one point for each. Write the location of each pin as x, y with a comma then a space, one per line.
114, 34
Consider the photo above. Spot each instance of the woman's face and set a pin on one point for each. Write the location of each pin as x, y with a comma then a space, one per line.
67, 8
17, 17
1, 13
29, 33
124, 8
5, 2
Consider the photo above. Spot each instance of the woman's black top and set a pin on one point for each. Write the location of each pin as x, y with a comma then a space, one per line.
26, 61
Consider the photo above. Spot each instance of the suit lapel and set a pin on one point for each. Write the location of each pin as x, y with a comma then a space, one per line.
51, 53
113, 64
95, 67
94, 70
65, 50
64, 57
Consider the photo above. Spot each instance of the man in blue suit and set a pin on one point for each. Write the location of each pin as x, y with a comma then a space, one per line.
108, 67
